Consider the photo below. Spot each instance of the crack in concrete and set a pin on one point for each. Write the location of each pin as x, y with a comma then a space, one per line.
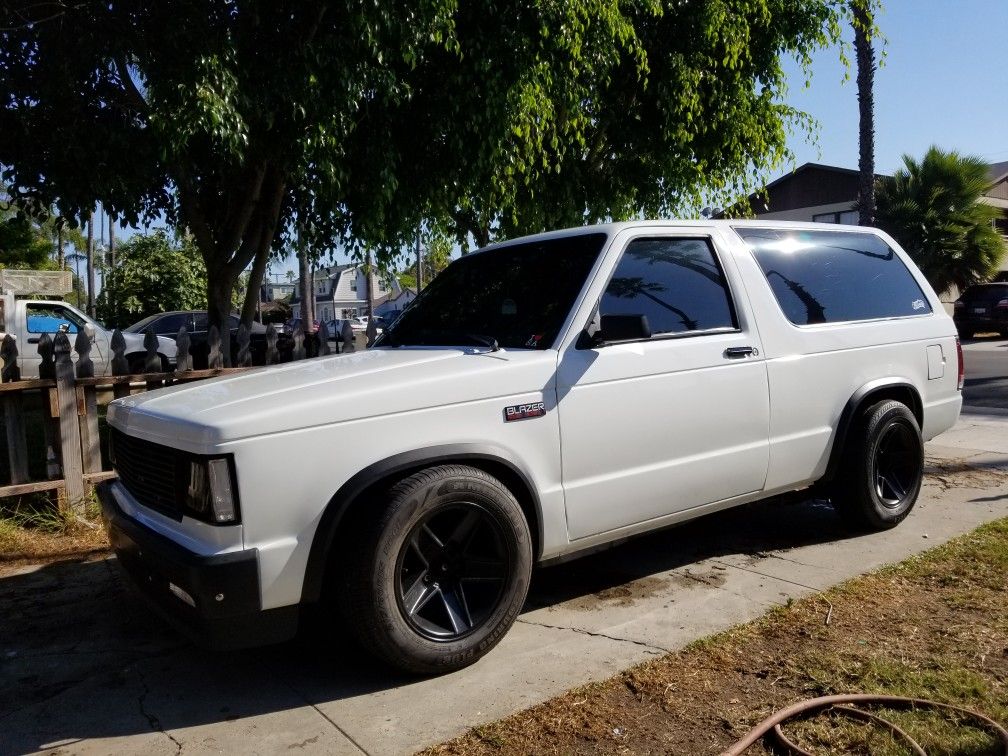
325, 716
774, 577
152, 720
582, 631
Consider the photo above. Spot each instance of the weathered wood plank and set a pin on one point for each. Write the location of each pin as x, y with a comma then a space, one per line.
31, 384
87, 406
323, 339
97, 477
27, 488
17, 439
69, 429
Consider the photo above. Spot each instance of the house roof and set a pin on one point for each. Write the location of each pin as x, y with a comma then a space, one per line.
997, 171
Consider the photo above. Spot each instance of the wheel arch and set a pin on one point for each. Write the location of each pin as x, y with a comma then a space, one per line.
492, 459
898, 389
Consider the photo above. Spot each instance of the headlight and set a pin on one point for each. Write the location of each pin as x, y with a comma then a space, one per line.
209, 494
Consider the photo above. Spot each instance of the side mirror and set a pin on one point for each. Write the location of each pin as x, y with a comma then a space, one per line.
614, 328
89, 331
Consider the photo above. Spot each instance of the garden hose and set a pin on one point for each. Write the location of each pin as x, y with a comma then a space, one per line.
844, 705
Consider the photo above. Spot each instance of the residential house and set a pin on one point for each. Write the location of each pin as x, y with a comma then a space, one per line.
272, 291
341, 292
392, 306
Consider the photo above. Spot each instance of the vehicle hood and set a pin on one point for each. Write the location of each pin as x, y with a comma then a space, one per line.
202, 415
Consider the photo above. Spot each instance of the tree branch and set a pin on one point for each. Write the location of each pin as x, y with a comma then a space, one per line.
193, 214
132, 92
236, 225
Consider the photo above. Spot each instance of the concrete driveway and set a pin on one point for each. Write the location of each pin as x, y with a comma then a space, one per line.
84, 670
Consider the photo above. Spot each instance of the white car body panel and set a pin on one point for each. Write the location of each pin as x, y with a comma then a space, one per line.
635, 436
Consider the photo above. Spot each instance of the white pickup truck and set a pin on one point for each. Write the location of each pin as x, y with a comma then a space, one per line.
28, 319
541, 398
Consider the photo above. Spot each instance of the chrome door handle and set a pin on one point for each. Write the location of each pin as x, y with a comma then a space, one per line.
733, 353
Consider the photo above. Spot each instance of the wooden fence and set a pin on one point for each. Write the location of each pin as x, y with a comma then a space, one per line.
66, 395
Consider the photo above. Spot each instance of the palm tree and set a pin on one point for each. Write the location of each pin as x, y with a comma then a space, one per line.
932, 209
865, 54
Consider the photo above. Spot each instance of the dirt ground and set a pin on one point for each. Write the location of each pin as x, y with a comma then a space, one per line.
933, 627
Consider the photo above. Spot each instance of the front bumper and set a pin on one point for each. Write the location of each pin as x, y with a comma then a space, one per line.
212, 599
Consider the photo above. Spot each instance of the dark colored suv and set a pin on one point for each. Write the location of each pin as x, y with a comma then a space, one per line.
982, 308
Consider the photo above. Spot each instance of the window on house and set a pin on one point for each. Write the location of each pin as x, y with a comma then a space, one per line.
846, 217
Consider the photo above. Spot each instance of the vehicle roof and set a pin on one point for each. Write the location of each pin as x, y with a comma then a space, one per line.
611, 229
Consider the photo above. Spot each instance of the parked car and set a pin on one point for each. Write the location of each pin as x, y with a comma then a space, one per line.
360, 323
687, 367
27, 319
982, 308
168, 324
292, 325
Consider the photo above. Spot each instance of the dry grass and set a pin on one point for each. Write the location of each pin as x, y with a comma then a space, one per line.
934, 626
32, 528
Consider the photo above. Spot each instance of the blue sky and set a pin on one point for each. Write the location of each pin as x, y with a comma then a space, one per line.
943, 81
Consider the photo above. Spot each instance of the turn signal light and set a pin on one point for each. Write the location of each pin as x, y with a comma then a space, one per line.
962, 365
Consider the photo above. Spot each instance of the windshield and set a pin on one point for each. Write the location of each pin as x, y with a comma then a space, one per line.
518, 295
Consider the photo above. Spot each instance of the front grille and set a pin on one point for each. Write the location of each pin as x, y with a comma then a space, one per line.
148, 471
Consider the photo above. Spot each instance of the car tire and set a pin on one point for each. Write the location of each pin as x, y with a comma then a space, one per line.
436, 574
883, 468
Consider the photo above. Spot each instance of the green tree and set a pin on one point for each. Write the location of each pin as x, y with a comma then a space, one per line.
153, 273
932, 208
236, 119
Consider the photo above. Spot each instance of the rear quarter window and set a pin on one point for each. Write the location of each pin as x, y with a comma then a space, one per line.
834, 276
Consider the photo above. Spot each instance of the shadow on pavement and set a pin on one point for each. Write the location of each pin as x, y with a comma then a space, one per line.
81, 658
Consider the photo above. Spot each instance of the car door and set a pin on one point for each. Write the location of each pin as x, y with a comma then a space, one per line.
660, 425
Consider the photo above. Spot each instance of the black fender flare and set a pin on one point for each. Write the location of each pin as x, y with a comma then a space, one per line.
880, 386
399, 465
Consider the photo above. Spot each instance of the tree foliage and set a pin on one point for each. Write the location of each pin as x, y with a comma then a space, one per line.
153, 273
932, 208
493, 118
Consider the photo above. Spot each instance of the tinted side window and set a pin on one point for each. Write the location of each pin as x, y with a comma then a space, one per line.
834, 276
170, 324
676, 283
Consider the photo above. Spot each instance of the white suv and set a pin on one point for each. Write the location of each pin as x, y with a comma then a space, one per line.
540, 398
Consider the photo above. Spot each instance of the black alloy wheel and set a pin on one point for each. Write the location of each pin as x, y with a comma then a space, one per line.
896, 465
451, 571
883, 468
432, 572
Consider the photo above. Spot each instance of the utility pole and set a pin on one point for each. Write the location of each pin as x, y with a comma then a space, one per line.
111, 252
90, 266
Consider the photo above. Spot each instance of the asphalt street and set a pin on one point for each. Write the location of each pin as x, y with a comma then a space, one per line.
986, 373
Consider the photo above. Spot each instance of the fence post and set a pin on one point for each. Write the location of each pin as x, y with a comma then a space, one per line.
50, 406
120, 366
216, 360
244, 357
299, 350
17, 440
347, 337
183, 360
152, 361
272, 355
323, 339
87, 399
70, 440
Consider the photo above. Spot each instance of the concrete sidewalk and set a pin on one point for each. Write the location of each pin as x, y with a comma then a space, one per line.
83, 670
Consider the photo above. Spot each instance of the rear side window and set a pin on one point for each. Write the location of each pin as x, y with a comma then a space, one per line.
676, 283
834, 276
